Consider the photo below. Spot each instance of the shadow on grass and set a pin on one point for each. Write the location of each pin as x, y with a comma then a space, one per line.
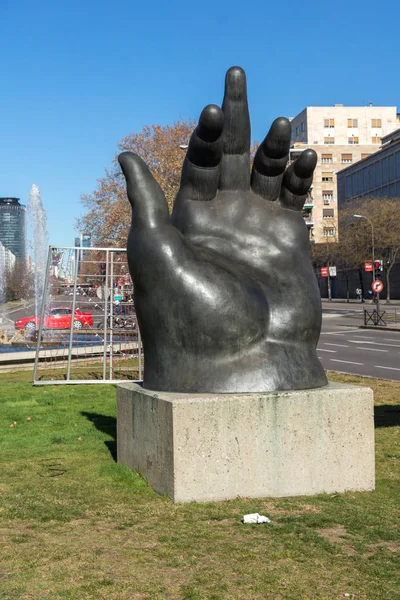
107, 425
387, 415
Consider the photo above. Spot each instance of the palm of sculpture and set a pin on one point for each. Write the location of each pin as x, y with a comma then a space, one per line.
224, 290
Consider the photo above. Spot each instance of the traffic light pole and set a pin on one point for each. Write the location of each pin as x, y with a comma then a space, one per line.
378, 305
373, 255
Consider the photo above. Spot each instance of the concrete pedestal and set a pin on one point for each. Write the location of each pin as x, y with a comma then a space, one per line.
206, 447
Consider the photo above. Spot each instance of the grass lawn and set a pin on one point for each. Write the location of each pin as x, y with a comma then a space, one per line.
75, 525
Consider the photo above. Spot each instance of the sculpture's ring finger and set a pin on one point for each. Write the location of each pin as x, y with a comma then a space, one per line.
271, 159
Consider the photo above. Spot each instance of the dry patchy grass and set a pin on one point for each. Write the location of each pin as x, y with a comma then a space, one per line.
75, 525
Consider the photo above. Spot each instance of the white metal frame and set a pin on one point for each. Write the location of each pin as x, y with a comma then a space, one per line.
108, 313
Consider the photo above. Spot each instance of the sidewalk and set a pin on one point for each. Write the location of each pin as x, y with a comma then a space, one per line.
394, 303
22, 305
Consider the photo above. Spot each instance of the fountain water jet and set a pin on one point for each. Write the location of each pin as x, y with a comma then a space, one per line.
37, 218
2, 285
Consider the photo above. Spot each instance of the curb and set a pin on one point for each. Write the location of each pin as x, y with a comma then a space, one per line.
380, 327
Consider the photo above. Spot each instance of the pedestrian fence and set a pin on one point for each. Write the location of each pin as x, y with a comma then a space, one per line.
393, 316
87, 331
381, 317
374, 317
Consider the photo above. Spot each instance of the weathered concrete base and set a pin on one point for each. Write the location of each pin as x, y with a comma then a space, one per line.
197, 447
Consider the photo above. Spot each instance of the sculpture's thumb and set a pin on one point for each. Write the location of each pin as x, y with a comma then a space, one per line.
148, 202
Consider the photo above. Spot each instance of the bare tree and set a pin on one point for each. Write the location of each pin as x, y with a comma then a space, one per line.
108, 213
382, 217
327, 254
19, 282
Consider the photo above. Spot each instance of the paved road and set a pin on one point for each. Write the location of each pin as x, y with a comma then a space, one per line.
18, 313
82, 302
344, 347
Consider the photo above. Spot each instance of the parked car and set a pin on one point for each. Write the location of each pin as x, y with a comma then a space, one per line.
57, 318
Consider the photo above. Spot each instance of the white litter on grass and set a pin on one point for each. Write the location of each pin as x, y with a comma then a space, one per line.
255, 518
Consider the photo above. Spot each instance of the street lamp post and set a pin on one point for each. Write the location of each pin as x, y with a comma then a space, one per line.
373, 251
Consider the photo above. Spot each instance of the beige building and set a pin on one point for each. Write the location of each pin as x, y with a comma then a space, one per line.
340, 135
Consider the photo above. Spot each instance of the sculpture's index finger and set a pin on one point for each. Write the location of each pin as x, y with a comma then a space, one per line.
235, 166
200, 172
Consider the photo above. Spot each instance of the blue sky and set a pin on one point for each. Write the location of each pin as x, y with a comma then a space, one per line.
78, 75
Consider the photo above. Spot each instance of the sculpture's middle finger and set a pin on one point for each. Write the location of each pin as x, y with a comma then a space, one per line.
235, 164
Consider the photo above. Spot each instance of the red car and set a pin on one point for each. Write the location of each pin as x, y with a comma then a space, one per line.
57, 318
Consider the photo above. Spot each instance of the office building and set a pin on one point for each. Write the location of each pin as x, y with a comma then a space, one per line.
7, 259
13, 226
340, 135
377, 175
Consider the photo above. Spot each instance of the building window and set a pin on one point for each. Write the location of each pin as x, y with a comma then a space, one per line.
371, 169
353, 140
327, 196
364, 156
326, 158
329, 140
327, 176
297, 131
329, 123
365, 179
376, 140
329, 232
303, 127
378, 173
398, 165
376, 123
347, 159
352, 122
328, 213
385, 170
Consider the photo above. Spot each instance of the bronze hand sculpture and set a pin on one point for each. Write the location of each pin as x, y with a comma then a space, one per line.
225, 294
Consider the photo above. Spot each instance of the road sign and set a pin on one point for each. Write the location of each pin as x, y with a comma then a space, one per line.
377, 286
332, 271
368, 266
324, 271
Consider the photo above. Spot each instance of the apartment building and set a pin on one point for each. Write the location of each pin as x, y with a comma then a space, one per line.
7, 260
340, 135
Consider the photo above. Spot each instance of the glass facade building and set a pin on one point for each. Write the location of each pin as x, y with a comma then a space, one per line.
13, 226
378, 175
